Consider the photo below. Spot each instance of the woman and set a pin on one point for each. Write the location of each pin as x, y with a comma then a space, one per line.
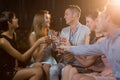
9, 53
42, 54
91, 23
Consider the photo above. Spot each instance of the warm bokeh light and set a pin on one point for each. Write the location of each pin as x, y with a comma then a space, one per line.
114, 5
114, 2
113, 9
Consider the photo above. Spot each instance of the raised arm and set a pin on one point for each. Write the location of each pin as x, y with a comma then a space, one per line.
16, 54
38, 53
95, 49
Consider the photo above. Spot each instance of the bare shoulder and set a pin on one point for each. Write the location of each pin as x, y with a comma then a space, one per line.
3, 42
32, 36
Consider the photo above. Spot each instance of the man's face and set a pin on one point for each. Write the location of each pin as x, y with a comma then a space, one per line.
47, 18
69, 17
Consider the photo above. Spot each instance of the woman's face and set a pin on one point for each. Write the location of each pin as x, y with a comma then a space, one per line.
15, 22
90, 23
47, 18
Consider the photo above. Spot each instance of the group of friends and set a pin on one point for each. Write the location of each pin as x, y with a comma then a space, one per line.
79, 52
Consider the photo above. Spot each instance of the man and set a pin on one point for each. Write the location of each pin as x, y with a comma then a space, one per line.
75, 34
110, 21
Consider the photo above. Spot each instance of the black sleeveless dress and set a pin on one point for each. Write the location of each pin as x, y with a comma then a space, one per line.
7, 62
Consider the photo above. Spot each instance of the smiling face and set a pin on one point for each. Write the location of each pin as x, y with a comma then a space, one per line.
90, 23
72, 14
47, 18
68, 16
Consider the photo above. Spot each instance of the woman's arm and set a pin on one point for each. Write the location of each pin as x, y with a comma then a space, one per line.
39, 51
16, 54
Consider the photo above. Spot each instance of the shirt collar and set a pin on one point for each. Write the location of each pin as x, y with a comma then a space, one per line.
79, 24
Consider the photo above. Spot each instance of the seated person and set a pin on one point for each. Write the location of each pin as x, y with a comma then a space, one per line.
75, 34
9, 53
89, 61
42, 54
106, 74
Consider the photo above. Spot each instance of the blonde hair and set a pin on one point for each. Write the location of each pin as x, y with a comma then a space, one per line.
38, 24
76, 9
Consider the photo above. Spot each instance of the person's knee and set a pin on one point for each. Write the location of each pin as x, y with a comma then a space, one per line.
82, 77
46, 66
67, 67
76, 77
73, 70
35, 72
87, 78
38, 71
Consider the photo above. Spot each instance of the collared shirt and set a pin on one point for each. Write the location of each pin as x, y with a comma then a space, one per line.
109, 46
78, 38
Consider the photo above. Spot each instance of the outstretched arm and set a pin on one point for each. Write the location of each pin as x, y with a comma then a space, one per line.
83, 50
16, 54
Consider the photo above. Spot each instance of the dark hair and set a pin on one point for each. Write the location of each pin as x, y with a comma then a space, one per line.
4, 18
92, 14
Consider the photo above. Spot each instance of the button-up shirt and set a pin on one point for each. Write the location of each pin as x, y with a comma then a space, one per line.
109, 47
78, 38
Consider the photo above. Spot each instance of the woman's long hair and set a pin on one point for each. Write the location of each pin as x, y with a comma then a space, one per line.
39, 24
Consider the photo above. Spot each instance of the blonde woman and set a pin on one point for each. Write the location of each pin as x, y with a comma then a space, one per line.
42, 54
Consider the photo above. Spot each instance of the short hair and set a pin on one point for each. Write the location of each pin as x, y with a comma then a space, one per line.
113, 10
75, 8
4, 18
92, 14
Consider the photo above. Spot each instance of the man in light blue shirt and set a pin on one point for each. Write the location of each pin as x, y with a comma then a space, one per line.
76, 34
110, 46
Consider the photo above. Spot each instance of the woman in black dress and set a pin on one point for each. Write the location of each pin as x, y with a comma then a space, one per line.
9, 53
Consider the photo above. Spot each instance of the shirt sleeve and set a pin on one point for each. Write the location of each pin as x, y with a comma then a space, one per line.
86, 50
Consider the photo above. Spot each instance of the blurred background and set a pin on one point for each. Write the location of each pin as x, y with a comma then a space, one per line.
25, 10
